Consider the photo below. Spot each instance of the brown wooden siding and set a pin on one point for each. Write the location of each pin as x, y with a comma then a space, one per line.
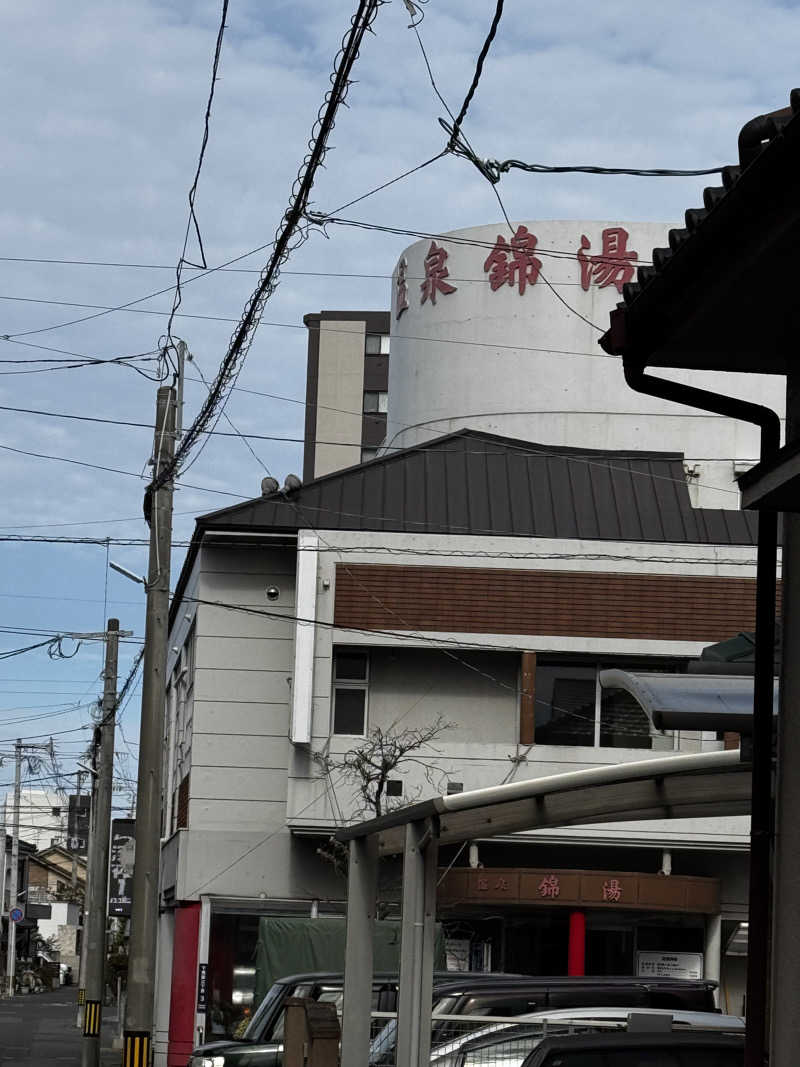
559, 603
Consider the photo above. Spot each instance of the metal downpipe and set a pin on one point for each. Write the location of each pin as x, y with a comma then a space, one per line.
761, 815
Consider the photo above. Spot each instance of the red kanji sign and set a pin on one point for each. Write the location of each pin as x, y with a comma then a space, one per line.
514, 262
614, 264
612, 890
401, 302
435, 274
550, 886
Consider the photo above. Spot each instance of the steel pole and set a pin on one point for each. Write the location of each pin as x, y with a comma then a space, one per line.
786, 916
95, 932
144, 918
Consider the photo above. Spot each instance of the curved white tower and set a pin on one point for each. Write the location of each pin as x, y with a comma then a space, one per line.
498, 331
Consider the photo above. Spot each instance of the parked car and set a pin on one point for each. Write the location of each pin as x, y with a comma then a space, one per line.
261, 1045
639, 1050
482, 993
517, 996
509, 1043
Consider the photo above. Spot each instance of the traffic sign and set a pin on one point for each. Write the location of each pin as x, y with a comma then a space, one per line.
17, 915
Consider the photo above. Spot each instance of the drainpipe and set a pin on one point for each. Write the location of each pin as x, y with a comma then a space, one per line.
763, 683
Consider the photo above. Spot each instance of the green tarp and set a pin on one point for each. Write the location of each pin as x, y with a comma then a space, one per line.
298, 946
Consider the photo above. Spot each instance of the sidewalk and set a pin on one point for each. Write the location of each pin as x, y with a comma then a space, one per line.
39, 1030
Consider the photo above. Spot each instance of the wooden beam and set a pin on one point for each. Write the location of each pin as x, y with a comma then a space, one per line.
527, 700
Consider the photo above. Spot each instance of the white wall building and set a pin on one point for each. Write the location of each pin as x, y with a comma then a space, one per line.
42, 818
522, 358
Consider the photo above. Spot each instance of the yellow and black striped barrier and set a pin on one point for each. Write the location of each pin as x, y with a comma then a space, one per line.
91, 1019
81, 997
136, 1049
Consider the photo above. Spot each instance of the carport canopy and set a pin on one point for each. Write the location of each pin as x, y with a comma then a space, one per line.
691, 701
702, 784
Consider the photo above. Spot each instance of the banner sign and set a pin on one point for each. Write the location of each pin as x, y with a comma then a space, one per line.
202, 988
123, 852
669, 964
78, 823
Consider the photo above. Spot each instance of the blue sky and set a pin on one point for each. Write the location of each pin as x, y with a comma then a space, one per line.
99, 135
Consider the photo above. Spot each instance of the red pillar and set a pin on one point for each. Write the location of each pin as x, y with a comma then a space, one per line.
184, 985
576, 952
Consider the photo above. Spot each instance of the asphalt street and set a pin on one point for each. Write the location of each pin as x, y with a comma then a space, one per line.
39, 1031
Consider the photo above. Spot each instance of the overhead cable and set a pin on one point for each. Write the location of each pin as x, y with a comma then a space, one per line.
290, 235
192, 219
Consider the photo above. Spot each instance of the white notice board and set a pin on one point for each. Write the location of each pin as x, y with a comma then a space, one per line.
669, 964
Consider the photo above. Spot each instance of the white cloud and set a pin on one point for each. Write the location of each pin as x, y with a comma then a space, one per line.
100, 133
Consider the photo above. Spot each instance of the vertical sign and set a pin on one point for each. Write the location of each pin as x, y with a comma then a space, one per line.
123, 851
202, 988
78, 823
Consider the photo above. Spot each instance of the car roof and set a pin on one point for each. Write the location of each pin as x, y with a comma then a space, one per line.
462, 981
709, 1019
626, 1040
508, 983
474, 977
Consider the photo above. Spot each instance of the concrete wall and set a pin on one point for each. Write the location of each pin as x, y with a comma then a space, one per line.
341, 386
532, 368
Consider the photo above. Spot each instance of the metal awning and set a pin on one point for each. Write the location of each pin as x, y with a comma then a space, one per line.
707, 783
691, 701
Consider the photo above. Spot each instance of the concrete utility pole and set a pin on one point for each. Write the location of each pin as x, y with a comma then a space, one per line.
87, 901
137, 1040
11, 958
95, 930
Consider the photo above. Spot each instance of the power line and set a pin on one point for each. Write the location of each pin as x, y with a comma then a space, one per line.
192, 219
115, 470
289, 237
300, 326
462, 114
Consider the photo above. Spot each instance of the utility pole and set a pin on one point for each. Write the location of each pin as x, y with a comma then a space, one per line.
137, 1039
87, 899
11, 958
95, 930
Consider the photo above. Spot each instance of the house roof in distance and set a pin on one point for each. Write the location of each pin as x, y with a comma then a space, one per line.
475, 483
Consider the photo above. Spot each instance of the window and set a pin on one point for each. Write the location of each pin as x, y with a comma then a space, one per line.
572, 708
350, 681
377, 344
565, 704
375, 402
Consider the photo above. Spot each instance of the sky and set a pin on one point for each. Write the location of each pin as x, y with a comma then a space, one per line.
100, 130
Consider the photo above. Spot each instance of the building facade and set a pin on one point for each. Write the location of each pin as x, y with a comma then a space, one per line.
441, 580
490, 518
347, 386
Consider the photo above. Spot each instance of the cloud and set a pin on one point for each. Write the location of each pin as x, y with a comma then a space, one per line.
98, 144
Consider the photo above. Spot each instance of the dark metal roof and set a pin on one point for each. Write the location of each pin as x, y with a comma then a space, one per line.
723, 294
471, 482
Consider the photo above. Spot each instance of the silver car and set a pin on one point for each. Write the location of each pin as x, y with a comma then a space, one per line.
507, 1044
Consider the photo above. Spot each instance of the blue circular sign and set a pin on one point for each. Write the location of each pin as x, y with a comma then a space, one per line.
17, 914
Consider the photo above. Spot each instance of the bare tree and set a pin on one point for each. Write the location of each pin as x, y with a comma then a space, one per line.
370, 766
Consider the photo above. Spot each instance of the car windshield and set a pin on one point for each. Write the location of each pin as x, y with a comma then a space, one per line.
264, 1010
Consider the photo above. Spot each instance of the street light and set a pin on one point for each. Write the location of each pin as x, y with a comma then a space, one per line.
128, 574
